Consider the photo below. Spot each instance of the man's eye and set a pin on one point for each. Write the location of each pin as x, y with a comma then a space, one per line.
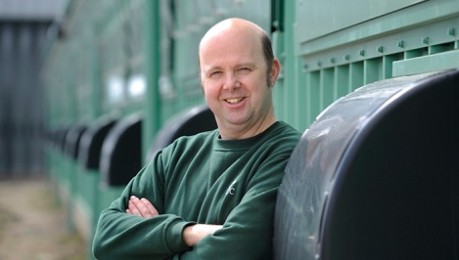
215, 74
244, 70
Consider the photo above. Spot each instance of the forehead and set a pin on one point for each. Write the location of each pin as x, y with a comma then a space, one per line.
238, 44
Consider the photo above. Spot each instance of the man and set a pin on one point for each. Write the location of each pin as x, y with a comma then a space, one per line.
212, 195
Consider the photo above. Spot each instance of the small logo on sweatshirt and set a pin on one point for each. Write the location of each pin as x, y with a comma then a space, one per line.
231, 190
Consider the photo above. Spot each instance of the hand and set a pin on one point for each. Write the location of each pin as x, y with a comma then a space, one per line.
141, 207
195, 233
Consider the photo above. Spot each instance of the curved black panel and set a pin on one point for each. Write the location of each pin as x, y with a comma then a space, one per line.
55, 136
60, 138
121, 152
91, 143
72, 140
195, 120
376, 176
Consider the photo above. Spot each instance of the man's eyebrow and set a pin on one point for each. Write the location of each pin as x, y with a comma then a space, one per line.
211, 68
241, 64
247, 64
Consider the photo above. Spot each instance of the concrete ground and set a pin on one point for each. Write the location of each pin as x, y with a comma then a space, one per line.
33, 224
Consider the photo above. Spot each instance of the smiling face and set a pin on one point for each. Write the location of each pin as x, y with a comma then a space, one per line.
235, 79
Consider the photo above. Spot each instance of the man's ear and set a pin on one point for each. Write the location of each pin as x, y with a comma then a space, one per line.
274, 72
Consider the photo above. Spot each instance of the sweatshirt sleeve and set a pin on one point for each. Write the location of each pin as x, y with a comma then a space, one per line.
247, 232
123, 236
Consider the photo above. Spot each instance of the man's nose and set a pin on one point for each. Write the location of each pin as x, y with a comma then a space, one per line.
231, 82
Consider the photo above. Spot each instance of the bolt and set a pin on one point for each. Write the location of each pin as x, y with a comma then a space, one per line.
401, 44
425, 40
347, 57
319, 64
332, 60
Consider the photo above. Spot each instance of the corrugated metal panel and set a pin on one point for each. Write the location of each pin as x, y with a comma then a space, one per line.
21, 109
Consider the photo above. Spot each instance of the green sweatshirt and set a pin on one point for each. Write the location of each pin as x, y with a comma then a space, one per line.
202, 179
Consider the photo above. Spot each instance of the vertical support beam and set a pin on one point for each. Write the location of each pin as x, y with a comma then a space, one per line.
342, 81
95, 74
387, 66
314, 94
152, 121
327, 90
371, 70
301, 104
356, 75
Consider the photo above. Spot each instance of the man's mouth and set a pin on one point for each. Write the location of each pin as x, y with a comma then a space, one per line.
233, 100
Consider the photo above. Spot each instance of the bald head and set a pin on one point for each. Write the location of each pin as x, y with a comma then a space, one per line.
237, 27
238, 24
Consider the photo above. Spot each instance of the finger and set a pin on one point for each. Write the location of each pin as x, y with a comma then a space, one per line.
145, 208
132, 207
150, 207
142, 207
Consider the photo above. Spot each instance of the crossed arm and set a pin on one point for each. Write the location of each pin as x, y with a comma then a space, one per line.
191, 234
246, 230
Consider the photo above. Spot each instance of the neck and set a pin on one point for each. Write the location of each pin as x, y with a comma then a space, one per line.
237, 133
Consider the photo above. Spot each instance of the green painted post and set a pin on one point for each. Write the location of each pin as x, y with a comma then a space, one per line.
152, 121
96, 90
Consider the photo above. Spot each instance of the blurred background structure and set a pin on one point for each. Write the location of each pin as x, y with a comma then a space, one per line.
24, 26
88, 87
